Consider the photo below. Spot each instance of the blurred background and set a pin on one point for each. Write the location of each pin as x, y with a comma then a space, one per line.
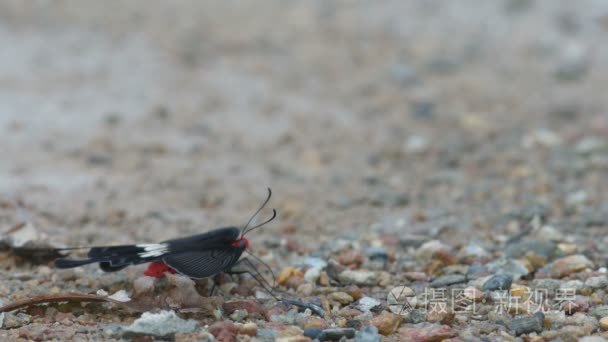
134, 120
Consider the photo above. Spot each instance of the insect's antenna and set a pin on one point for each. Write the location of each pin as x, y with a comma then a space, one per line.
274, 215
243, 231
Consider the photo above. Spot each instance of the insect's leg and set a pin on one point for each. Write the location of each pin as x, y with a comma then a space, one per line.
246, 266
214, 281
248, 262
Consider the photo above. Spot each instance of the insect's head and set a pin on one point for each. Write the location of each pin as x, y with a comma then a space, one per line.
242, 242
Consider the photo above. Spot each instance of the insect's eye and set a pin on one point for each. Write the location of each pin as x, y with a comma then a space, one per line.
241, 243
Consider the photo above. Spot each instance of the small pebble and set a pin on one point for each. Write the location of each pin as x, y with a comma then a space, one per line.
335, 334
313, 333
447, 280
386, 322
592, 339
266, 334
289, 331
498, 282
315, 322
600, 311
358, 277
604, 323
239, 315
341, 297
430, 250
377, 254
367, 334
286, 274
516, 268
577, 304
418, 315
143, 285
597, 282
250, 329
440, 316
555, 319
350, 257
575, 284
538, 252
365, 304
565, 266
416, 276
14, 320
527, 324
427, 333
472, 293
305, 290
163, 324
312, 274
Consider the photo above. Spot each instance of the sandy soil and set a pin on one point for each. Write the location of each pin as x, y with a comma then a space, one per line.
140, 121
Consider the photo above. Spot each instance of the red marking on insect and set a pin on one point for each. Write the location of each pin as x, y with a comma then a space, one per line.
157, 269
241, 243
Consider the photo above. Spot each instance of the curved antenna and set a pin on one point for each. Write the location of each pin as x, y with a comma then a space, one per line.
243, 231
274, 215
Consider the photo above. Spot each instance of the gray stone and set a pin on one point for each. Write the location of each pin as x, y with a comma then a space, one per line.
508, 266
545, 249
546, 284
572, 284
377, 254
527, 324
597, 282
313, 333
418, 316
498, 282
448, 280
367, 334
555, 319
335, 334
365, 304
600, 311
592, 339
266, 334
358, 277
164, 324
312, 274
15, 320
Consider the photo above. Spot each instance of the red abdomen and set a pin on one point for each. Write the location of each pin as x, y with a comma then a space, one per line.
157, 269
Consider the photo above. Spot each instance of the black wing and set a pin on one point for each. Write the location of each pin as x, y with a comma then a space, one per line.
114, 258
203, 264
212, 239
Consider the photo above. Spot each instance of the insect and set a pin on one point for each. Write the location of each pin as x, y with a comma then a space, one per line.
198, 256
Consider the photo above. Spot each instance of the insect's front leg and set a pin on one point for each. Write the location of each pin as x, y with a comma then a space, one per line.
245, 265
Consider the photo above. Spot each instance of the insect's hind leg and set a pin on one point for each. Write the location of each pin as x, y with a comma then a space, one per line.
217, 279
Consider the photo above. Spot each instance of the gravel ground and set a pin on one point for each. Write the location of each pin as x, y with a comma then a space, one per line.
457, 149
